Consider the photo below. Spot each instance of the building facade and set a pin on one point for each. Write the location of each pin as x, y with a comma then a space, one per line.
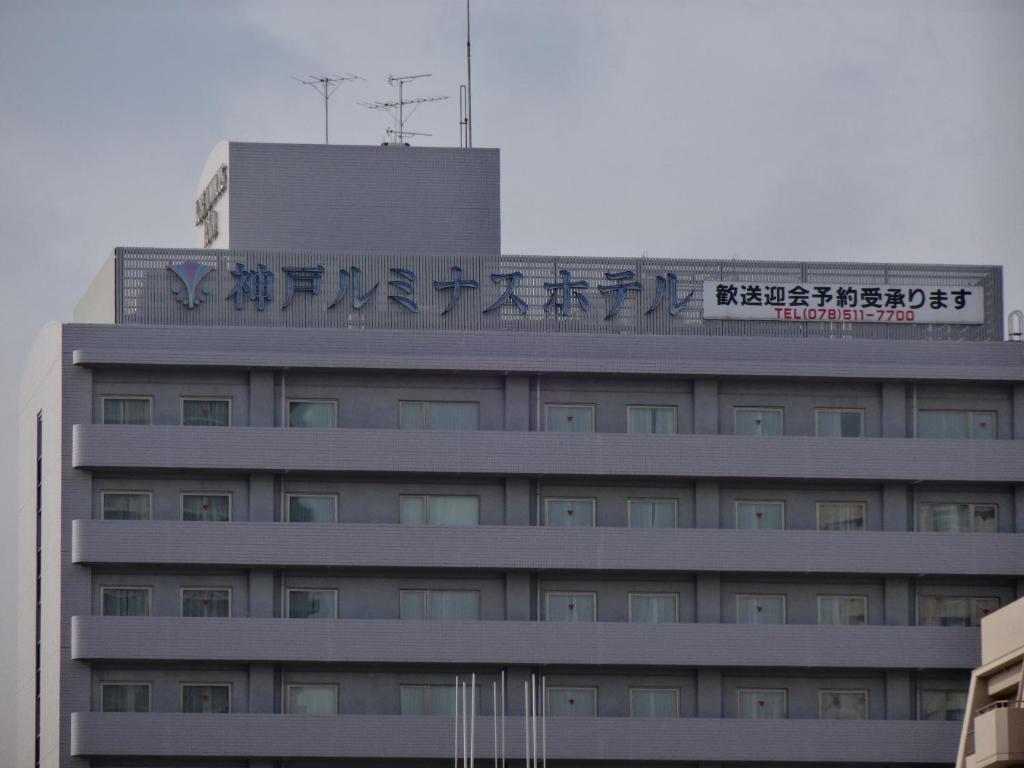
724, 513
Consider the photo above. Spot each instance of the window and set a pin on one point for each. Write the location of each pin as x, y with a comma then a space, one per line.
205, 413
124, 697
571, 606
839, 422
842, 609
935, 517
651, 419
314, 699
841, 515
571, 702
943, 705
570, 513
206, 507
760, 609
206, 602
645, 608
312, 414
424, 414
654, 702
428, 699
125, 601
760, 422
127, 505
761, 704
843, 705
127, 410
950, 611
312, 508
653, 513
205, 698
570, 418
440, 510
760, 515
975, 425
311, 603
440, 604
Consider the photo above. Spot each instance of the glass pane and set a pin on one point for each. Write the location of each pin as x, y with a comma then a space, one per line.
125, 602
842, 610
942, 424
413, 699
413, 604
761, 515
944, 518
206, 603
654, 702
312, 604
205, 413
127, 411
648, 513
312, 700
843, 705
410, 414
840, 516
983, 426
652, 420
125, 698
453, 416
453, 510
945, 611
570, 513
206, 698
441, 700
572, 702
761, 705
214, 508
311, 509
570, 418
126, 506
985, 518
840, 423
943, 705
981, 607
454, 605
312, 415
653, 609
760, 609
571, 607
760, 423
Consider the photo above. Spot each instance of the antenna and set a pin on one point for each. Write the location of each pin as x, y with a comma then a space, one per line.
326, 85
397, 108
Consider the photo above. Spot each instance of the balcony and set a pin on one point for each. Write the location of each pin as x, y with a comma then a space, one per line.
998, 738
617, 644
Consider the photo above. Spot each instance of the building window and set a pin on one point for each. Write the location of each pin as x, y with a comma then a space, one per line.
843, 705
206, 603
571, 702
839, 422
842, 609
440, 510
943, 705
312, 508
936, 517
127, 505
313, 414
760, 609
205, 698
426, 414
974, 425
428, 700
315, 699
205, 412
570, 418
759, 422
761, 704
570, 606
125, 601
206, 507
841, 515
653, 513
760, 515
125, 697
651, 419
127, 410
311, 603
439, 604
654, 702
954, 611
646, 608
570, 513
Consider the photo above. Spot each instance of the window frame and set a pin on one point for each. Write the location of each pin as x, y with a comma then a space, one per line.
969, 415
424, 418
864, 515
643, 500
593, 511
147, 589
218, 684
565, 593
148, 684
971, 506
785, 607
782, 516
920, 699
971, 598
183, 494
862, 691
103, 409
182, 399
736, 409
426, 602
675, 418
337, 696
646, 688
426, 507
181, 599
547, 415
629, 603
785, 701
548, 689
426, 687
126, 492
863, 598
827, 409
288, 506
326, 401
286, 606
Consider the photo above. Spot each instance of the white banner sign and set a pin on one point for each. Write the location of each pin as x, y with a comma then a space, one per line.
844, 303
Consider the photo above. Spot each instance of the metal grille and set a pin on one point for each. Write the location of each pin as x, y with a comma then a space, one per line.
144, 294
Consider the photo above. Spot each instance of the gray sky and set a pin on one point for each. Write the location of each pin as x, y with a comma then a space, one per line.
866, 131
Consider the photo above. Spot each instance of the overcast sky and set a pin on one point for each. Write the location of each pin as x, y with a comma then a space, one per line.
867, 131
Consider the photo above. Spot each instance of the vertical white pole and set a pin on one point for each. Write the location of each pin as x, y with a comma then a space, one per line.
494, 713
544, 720
526, 720
472, 720
456, 721
465, 751
533, 720
503, 718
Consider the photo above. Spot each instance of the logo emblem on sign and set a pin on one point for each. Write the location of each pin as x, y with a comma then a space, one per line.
191, 274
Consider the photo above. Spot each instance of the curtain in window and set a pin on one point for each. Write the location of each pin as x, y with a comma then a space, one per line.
985, 518
652, 514
312, 699
125, 698
761, 705
841, 610
205, 603
943, 705
760, 609
570, 418
758, 423
944, 518
454, 605
572, 702
311, 509
653, 609
652, 420
453, 510
838, 516
760, 515
312, 415
207, 509
571, 607
312, 604
981, 607
126, 506
205, 413
570, 513
126, 411
413, 604
206, 698
654, 702
428, 700
840, 423
126, 602
942, 424
983, 426
843, 705
453, 416
945, 611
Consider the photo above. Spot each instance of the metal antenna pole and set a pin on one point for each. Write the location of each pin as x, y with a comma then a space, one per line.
469, 87
326, 85
397, 108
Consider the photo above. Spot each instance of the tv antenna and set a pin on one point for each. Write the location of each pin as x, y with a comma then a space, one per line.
326, 85
397, 108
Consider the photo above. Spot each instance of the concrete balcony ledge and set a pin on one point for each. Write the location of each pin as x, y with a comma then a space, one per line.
505, 548
105, 638
96, 734
490, 453
999, 737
